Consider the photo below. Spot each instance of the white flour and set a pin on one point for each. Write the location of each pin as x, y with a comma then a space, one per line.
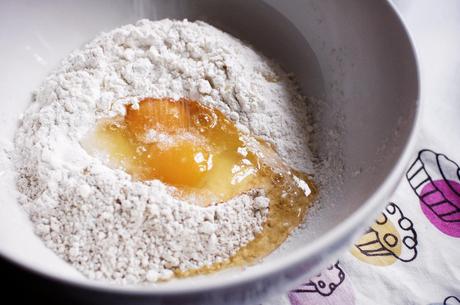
101, 221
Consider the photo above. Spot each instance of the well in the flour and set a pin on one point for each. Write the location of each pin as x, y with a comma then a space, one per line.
208, 161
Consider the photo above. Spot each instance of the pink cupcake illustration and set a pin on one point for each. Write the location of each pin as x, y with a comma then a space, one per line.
328, 287
436, 180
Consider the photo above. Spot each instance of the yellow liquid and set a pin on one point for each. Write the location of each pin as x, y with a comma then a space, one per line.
202, 153
285, 214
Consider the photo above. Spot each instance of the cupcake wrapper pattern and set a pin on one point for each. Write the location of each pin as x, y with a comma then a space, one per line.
428, 171
393, 234
451, 300
324, 283
327, 288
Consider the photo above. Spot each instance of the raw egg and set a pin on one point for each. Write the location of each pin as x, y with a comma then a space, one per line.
207, 160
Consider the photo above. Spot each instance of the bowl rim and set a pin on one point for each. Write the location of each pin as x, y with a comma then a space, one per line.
369, 208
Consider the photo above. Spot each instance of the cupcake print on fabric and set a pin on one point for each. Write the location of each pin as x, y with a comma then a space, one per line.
451, 300
330, 287
392, 237
436, 180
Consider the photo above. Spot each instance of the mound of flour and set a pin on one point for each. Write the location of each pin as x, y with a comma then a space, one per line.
101, 221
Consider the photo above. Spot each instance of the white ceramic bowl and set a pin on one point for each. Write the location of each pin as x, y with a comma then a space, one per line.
353, 54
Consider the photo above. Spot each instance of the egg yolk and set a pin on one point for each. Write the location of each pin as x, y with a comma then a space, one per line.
184, 164
182, 143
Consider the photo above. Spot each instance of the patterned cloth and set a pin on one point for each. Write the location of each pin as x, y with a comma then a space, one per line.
411, 254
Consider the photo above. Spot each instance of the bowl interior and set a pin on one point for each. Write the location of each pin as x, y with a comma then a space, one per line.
352, 56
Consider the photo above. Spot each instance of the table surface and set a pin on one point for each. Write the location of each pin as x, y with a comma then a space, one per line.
34, 288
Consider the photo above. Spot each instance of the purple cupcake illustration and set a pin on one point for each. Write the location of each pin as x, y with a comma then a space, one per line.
328, 287
436, 180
